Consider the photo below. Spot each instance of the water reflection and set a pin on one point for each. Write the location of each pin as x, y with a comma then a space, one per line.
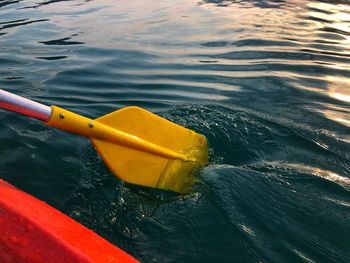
62, 42
43, 3
257, 3
313, 36
19, 22
8, 2
335, 18
220, 52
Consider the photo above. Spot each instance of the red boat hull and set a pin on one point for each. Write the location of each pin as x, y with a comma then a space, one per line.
32, 231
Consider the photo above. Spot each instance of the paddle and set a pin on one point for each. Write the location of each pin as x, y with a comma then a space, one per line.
137, 146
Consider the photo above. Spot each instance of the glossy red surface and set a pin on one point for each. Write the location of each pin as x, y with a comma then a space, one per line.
32, 231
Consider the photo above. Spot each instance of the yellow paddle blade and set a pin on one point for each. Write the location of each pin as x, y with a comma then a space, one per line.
140, 147
149, 169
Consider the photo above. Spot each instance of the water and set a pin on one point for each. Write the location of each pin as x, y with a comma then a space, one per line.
267, 82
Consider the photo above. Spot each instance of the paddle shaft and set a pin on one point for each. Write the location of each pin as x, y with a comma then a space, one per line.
24, 106
80, 125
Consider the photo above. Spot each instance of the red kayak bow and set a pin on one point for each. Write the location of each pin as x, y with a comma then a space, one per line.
31, 231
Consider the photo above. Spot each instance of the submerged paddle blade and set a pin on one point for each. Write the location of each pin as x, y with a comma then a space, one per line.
150, 168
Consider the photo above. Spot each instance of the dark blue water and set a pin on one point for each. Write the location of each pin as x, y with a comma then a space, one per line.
266, 81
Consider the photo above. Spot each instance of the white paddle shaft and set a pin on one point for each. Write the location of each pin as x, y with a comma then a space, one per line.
24, 106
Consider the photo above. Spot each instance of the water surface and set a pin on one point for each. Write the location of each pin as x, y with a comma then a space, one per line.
267, 82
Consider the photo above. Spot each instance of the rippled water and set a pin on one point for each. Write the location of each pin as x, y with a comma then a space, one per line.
266, 81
